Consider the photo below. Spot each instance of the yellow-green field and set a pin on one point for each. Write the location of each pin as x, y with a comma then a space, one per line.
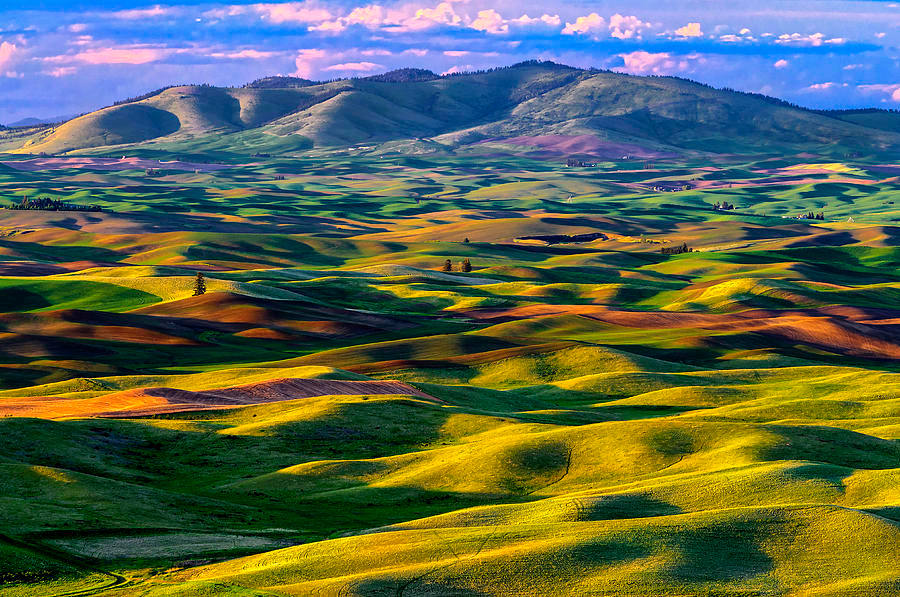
338, 415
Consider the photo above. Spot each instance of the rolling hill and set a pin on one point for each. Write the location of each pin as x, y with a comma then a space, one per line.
529, 107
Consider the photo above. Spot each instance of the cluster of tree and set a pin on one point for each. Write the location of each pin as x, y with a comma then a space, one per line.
670, 187
153, 172
464, 266
279, 83
851, 111
47, 204
724, 205
780, 102
149, 94
683, 248
553, 239
576, 163
404, 75
524, 63
812, 216
15, 132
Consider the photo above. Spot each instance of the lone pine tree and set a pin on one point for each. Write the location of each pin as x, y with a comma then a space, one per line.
199, 284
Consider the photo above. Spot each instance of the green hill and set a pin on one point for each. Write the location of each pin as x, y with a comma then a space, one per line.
532, 106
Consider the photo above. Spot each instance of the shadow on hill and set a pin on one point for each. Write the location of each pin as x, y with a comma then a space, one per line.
22, 300
402, 587
60, 253
725, 551
830, 445
618, 506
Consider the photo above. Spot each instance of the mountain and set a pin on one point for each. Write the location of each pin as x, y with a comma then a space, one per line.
39, 121
532, 106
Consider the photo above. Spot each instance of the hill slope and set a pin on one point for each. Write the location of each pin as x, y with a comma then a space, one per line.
530, 106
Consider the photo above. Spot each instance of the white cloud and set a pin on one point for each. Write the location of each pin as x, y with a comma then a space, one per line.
745, 31
689, 30
62, 71
893, 91
814, 39
426, 18
822, 86
489, 21
626, 27
552, 20
372, 15
544, 19
291, 12
619, 26
880, 34
641, 62
144, 13
459, 68
591, 23
781, 63
660, 63
455, 53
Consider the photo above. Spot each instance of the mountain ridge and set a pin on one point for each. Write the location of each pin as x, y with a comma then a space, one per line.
416, 111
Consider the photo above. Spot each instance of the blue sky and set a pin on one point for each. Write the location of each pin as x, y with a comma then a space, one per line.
63, 57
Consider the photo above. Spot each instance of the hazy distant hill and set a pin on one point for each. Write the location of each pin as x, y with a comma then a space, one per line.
38, 121
529, 106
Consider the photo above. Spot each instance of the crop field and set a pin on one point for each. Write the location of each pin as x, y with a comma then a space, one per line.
350, 410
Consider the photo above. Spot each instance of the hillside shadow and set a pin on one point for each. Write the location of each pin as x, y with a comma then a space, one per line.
721, 552
618, 507
60, 253
19, 299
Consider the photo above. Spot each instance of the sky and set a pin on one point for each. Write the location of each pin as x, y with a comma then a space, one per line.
66, 57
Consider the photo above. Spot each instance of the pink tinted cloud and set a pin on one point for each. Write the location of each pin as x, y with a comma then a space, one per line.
306, 60
355, 66
7, 53
145, 13
61, 71
245, 54
112, 55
